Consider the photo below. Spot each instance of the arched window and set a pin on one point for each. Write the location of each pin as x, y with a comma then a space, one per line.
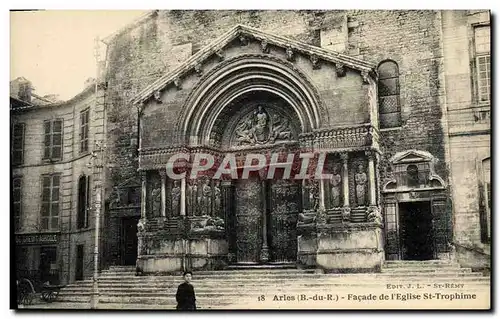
485, 211
83, 202
388, 95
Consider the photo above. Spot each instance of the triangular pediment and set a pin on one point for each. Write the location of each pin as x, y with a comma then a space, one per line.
131, 182
411, 156
245, 33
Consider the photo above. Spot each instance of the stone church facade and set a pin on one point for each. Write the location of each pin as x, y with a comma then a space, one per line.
364, 87
377, 93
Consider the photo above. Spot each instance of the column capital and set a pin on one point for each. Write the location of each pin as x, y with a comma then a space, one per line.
371, 154
143, 174
163, 173
344, 156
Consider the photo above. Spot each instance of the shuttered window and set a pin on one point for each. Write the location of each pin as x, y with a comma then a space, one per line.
18, 143
482, 39
16, 202
83, 202
53, 140
84, 131
50, 202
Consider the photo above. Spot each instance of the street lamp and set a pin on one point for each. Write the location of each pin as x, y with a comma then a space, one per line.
96, 163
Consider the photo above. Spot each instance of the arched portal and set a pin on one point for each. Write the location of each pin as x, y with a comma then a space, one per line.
233, 80
262, 221
249, 104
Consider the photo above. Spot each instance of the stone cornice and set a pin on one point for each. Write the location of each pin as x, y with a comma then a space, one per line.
193, 63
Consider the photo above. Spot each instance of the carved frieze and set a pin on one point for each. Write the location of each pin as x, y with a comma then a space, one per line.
340, 138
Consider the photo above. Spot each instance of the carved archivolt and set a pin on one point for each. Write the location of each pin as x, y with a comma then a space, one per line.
281, 70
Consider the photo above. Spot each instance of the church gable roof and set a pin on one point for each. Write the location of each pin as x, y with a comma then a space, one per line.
242, 31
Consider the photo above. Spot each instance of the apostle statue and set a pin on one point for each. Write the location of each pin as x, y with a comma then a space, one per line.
206, 197
176, 198
335, 183
217, 199
361, 180
156, 200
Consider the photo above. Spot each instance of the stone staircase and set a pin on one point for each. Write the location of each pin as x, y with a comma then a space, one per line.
119, 288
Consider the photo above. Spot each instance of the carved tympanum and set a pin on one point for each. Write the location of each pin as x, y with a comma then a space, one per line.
262, 127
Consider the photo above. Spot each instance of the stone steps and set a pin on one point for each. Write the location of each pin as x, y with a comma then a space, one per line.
119, 288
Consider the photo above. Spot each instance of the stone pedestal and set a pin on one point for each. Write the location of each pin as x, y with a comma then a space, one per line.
353, 248
172, 255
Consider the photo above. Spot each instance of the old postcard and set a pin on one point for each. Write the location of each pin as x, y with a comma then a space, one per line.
232, 159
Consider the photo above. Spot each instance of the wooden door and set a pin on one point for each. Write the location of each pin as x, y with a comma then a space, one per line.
129, 240
285, 204
248, 220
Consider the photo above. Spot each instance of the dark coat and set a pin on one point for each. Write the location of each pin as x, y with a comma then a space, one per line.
185, 297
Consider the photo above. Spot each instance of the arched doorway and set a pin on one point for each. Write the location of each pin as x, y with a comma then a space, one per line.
262, 222
254, 104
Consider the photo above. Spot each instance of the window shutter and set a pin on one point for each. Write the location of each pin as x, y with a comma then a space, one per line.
47, 139
57, 140
18, 144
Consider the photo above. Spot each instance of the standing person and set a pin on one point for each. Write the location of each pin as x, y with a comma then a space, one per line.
185, 297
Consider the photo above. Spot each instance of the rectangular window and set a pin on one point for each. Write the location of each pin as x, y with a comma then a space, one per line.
18, 143
50, 202
482, 41
84, 131
83, 202
53, 140
16, 202
485, 213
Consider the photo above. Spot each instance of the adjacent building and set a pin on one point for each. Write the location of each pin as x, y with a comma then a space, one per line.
53, 173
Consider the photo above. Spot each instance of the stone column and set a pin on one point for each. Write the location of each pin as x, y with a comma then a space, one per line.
372, 180
144, 195
373, 213
226, 189
264, 251
163, 175
346, 210
183, 197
